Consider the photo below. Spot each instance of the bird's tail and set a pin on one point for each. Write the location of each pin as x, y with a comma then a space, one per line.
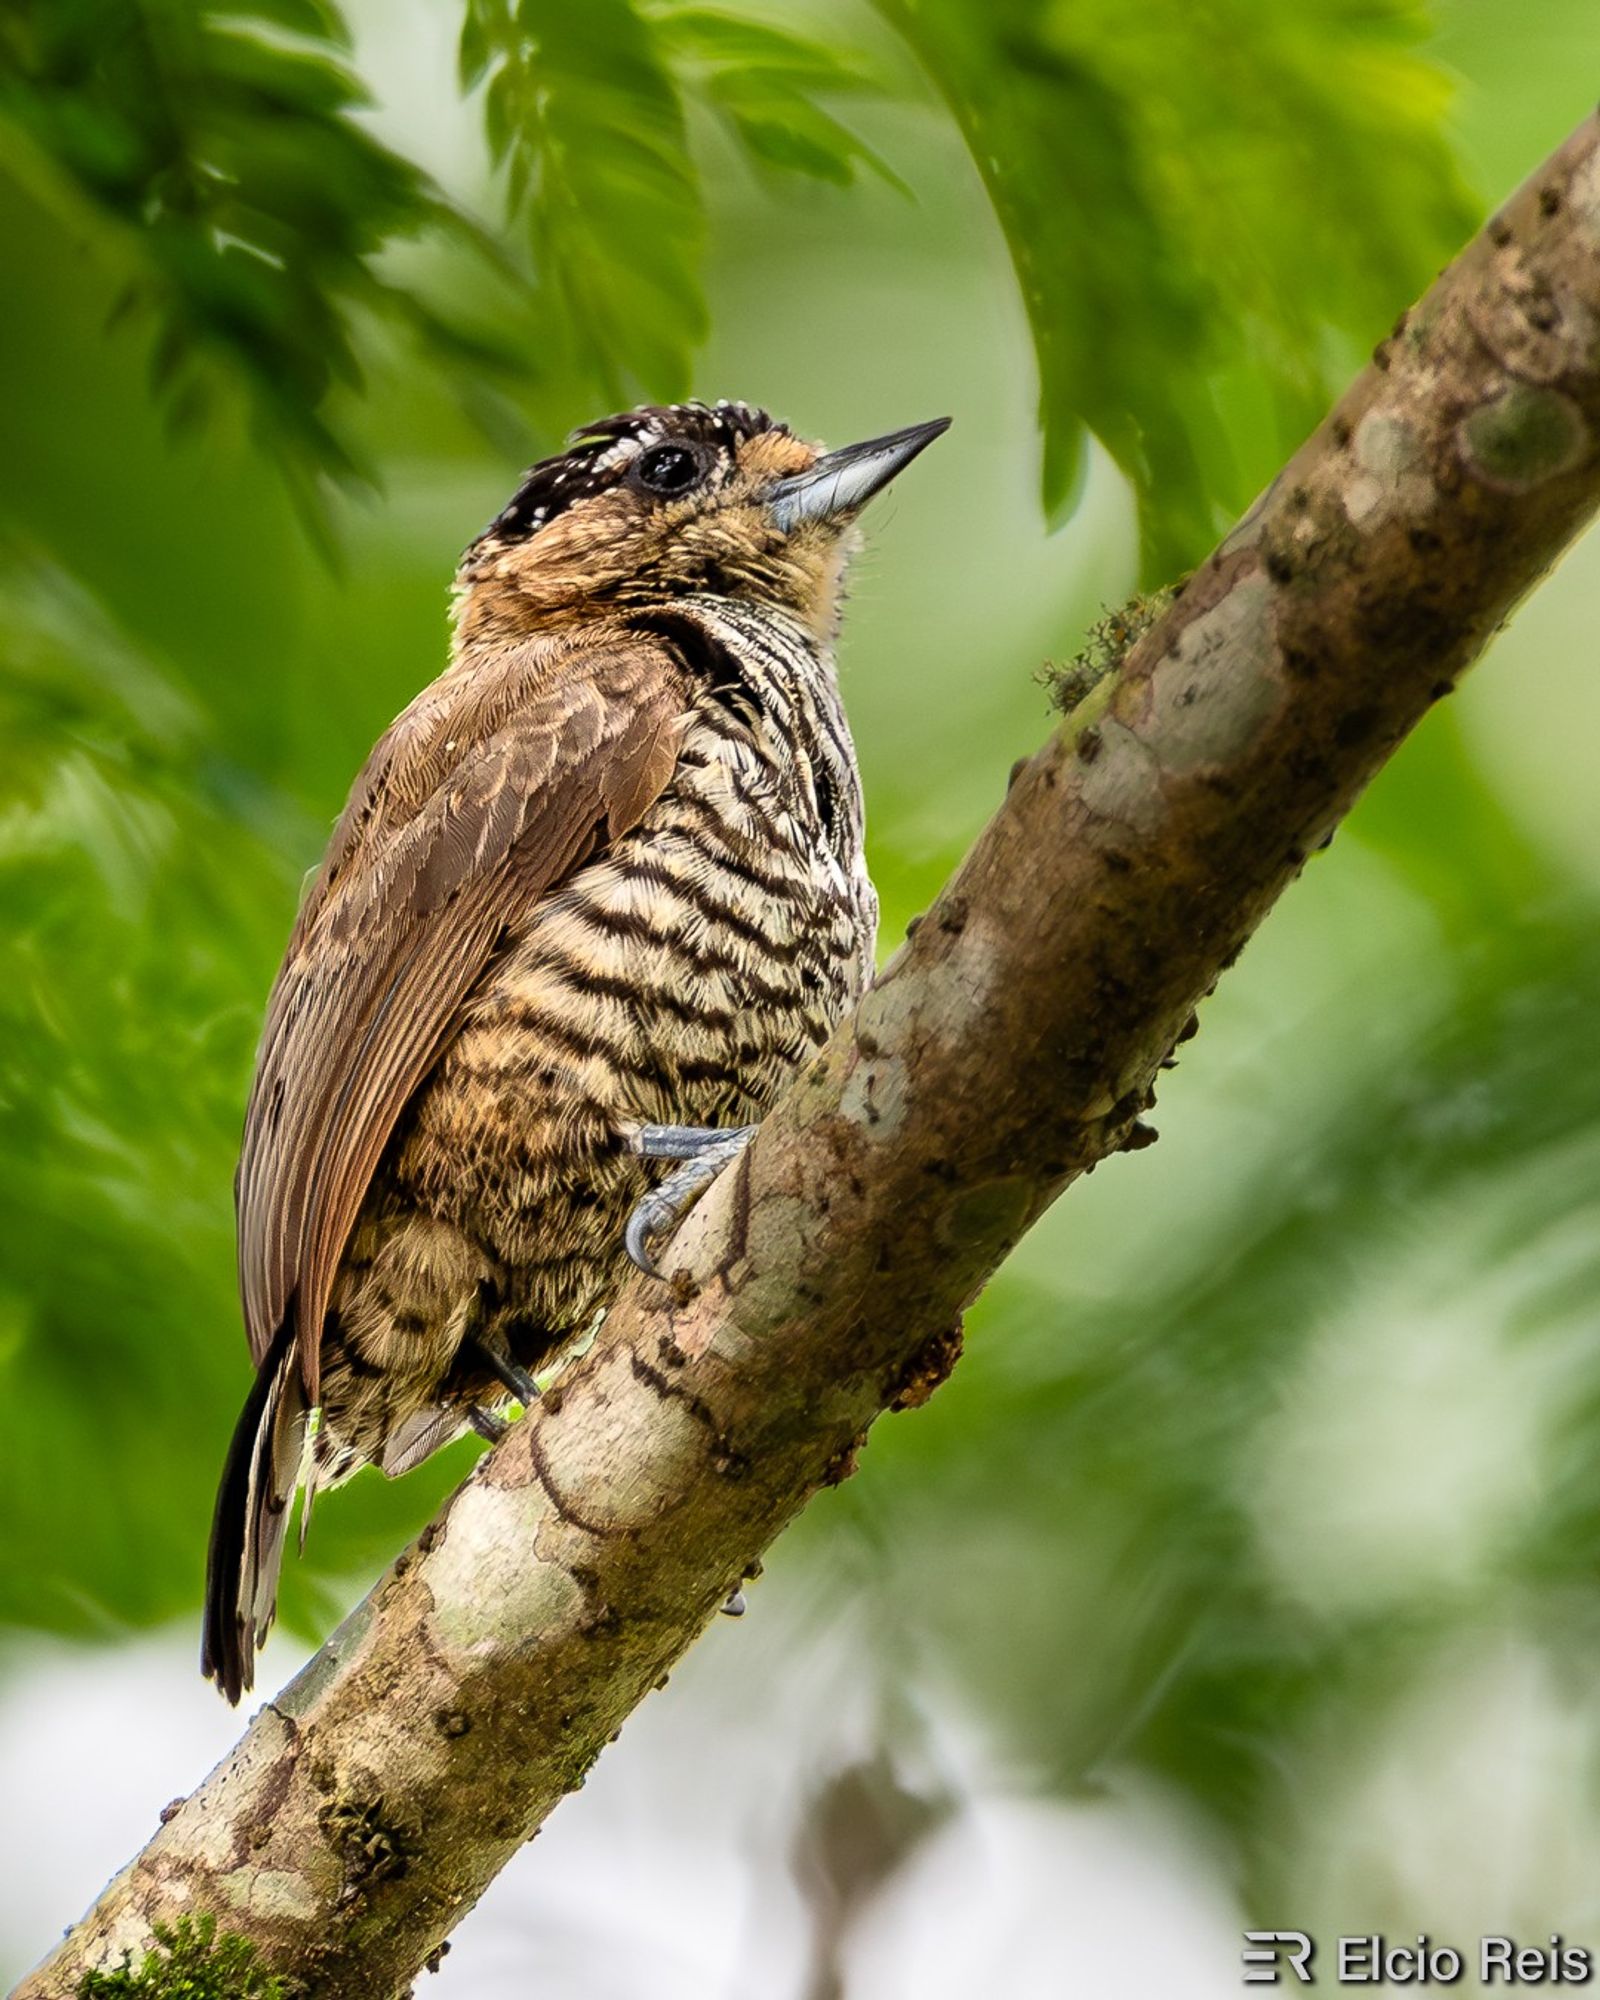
252, 1517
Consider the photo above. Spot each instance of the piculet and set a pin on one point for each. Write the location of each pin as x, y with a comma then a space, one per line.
595, 895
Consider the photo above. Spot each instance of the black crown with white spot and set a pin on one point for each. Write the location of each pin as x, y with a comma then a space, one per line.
600, 453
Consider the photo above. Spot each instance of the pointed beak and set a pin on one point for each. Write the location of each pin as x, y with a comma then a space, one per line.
842, 482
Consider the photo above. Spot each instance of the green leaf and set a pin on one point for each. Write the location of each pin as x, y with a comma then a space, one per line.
224, 174
1209, 211
584, 111
584, 114
764, 81
317, 20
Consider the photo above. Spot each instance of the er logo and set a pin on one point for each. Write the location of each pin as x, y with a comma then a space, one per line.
1268, 1951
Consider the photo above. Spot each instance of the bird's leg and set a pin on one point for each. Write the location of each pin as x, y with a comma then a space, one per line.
490, 1427
504, 1369
704, 1150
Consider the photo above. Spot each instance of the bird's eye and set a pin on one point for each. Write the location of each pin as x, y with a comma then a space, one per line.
668, 469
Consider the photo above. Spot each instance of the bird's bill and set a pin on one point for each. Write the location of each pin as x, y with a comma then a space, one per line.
842, 482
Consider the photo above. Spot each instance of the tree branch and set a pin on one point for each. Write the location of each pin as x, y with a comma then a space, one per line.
1006, 1050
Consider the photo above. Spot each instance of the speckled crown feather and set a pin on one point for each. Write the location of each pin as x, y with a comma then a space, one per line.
598, 453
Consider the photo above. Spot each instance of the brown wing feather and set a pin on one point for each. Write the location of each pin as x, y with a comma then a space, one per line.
478, 800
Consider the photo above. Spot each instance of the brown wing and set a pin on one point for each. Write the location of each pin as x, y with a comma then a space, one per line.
483, 795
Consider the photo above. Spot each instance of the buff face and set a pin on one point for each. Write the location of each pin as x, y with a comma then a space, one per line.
663, 503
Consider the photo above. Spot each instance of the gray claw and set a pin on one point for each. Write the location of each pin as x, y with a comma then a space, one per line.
704, 1153
642, 1225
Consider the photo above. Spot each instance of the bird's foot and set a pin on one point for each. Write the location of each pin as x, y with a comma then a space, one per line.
504, 1369
704, 1151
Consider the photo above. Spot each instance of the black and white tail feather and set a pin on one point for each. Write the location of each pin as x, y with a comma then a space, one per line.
275, 1449
254, 1502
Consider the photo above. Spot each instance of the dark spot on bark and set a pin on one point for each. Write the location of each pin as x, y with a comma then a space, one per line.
1340, 430
1525, 434
428, 1540
452, 1722
1137, 1137
953, 915
1126, 1108
913, 927
1424, 541
926, 1369
1088, 744
844, 1461
171, 1810
552, 1400
1549, 199
1498, 230
1279, 567
1380, 356
1355, 727
1190, 1029
371, 1847
867, 1044
1440, 689
1015, 772
1116, 861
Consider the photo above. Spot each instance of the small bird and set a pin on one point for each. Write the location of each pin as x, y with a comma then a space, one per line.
594, 896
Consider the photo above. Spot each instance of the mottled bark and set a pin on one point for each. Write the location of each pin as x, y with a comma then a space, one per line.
1010, 1046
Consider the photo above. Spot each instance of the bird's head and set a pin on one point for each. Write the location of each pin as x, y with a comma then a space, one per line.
660, 503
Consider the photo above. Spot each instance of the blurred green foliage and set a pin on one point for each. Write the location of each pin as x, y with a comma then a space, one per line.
584, 111
223, 176
1193, 193
1253, 1419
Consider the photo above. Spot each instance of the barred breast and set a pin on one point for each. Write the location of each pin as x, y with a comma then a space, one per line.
679, 978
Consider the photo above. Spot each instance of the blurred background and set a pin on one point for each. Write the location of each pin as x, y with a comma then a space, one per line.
1247, 1571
